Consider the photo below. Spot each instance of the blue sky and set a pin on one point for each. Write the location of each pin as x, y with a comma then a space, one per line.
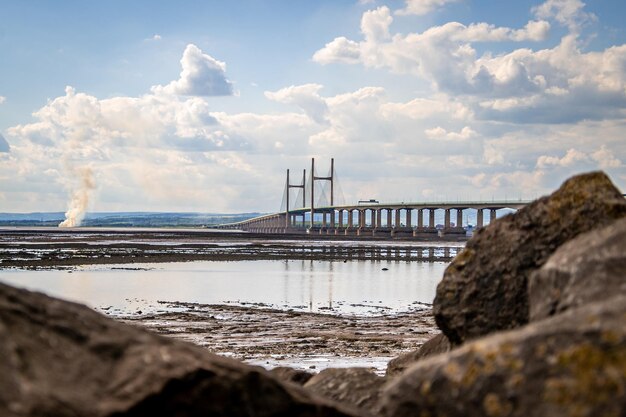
201, 106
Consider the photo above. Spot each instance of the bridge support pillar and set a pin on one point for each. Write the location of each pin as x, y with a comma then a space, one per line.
492, 215
479, 218
381, 230
408, 217
350, 230
431, 218
339, 227
389, 216
363, 229
459, 217
446, 223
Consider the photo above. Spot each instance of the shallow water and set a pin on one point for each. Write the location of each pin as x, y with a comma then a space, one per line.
351, 287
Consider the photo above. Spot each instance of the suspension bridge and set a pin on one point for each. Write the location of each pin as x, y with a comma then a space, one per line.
321, 210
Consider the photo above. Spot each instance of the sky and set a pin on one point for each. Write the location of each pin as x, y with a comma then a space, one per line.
201, 106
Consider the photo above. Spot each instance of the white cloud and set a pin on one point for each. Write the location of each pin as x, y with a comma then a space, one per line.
156, 37
428, 108
201, 75
375, 24
339, 49
572, 157
439, 133
305, 97
2, 99
555, 85
441, 54
605, 158
568, 13
422, 7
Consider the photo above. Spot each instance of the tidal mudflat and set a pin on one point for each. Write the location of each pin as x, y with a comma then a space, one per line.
304, 303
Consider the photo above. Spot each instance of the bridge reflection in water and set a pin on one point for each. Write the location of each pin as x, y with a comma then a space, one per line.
369, 218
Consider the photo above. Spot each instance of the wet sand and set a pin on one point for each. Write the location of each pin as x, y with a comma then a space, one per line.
309, 341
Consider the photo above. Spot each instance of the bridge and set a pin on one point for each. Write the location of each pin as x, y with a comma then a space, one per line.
367, 217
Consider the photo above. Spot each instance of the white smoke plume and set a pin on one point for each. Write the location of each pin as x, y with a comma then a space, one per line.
80, 197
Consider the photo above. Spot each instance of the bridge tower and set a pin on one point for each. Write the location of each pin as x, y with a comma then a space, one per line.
331, 178
289, 185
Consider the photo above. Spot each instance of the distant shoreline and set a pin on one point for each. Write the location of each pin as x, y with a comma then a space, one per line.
45, 248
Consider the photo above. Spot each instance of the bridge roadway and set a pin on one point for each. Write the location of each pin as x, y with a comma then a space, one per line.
385, 219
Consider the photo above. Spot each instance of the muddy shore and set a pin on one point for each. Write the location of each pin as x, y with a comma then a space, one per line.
256, 334
308, 341
41, 248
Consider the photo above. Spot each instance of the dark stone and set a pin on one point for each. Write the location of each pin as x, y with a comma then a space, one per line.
297, 376
484, 289
358, 387
572, 364
591, 267
435, 345
63, 359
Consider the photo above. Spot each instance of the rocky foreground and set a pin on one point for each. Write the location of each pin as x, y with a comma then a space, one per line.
532, 316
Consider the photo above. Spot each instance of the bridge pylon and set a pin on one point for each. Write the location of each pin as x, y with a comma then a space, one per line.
289, 186
314, 178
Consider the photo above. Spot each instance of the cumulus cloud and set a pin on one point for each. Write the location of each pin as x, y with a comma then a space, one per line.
428, 108
123, 121
306, 97
443, 54
201, 75
605, 158
422, 7
561, 84
439, 133
341, 50
572, 157
2, 99
568, 13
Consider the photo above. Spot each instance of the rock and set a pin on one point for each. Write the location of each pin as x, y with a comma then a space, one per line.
297, 376
484, 289
64, 359
433, 346
591, 267
354, 386
572, 364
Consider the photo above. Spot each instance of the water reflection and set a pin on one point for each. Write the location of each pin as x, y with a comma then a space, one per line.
307, 285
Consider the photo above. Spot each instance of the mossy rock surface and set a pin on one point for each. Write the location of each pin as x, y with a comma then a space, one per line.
572, 364
591, 267
484, 289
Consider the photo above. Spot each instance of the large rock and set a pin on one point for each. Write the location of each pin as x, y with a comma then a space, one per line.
358, 387
63, 359
591, 267
573, 364
435, 345
484, 289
